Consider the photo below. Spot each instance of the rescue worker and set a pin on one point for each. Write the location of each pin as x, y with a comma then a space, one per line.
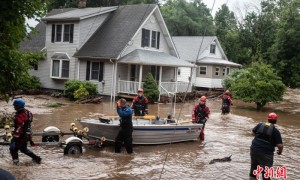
140, 104
267, 137
126, 128
226, 102
20, 136
200, 115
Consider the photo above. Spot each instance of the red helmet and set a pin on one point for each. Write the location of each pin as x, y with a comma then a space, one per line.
227, 92
272, 116
203, 98
141, 90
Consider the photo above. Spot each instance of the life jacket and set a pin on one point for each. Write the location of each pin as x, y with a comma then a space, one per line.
265, 132
140, 103
226, 100
27, 124
201, 112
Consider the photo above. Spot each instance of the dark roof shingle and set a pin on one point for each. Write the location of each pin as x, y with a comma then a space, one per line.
111, 38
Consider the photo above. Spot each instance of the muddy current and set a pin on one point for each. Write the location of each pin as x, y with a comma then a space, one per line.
224, 136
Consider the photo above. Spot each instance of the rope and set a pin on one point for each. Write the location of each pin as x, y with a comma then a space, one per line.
168, 151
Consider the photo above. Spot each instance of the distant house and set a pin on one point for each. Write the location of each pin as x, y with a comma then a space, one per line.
207, 54
113, 47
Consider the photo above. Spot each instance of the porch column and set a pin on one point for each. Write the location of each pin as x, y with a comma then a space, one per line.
159, 81
140, 76
116, 81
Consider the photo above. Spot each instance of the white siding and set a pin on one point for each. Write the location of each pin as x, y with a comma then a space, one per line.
185, 73
105, 88
208, 82
87, 27
206, 53
151, 24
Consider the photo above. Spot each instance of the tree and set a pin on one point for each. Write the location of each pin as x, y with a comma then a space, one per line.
14, 63
258, 83
188, 18
286, 49
151, 88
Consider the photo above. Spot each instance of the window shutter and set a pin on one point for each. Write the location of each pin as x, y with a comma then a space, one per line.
53, 33
71, 33
158, 39
143, 37
101, 71
88, 69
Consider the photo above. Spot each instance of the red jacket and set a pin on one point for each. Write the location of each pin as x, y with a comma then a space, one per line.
19, 122
226, 99
197, 110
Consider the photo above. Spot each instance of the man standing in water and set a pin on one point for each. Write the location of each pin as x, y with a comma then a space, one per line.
20, 136
226, 102
200, 115
267, 137
140, 104
126, 128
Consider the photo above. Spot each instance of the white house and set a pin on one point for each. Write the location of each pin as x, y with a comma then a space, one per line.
113, 47
207, 54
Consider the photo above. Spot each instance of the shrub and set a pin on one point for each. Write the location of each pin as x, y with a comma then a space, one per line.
29, 82
74, 85
81, 93
151, 88
54, 104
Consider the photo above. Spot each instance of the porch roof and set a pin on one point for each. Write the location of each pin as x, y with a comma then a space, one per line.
217, 61
146, 57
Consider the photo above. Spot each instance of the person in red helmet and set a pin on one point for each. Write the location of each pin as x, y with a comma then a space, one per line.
226, 102
267, 137
200, 114
140, 104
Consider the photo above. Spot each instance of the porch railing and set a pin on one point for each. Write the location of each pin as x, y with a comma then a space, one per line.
130, 87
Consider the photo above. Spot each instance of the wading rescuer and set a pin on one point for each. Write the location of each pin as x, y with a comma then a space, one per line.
200, 115
126, 128
226, 102
267, 137
22, 124
140, 104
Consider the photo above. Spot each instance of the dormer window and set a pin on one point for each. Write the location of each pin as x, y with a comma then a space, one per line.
213, 49
150, 38
62, 33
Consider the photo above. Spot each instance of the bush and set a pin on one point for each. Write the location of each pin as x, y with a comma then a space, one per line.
74, 85
29, 82
81, 93
54, 104
151, 88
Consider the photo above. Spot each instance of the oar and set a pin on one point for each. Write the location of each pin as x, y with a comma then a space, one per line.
181, 122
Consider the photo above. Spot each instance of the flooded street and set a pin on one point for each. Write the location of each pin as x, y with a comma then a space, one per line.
224, 136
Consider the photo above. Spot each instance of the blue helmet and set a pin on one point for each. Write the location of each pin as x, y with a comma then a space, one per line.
19, 102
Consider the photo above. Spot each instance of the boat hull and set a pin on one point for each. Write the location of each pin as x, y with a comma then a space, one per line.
145, 133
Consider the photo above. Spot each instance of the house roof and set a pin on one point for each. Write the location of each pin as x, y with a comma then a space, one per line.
188, 46
111, 38
79, 14
37, 38
217, 61
146, 57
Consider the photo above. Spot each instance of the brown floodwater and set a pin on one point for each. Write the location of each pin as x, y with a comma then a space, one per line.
224, 136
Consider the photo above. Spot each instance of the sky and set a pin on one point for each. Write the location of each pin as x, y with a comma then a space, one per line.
239, 7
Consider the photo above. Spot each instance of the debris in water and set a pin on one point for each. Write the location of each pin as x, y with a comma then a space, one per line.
225, 159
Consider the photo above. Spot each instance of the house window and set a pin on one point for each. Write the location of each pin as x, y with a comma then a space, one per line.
145, 38
217, 71
203, 70
62, 33
213, 48
224, 71
148, 35
60, 68
94, 71
228, 70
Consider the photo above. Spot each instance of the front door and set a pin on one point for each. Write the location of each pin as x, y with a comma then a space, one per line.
133, 70
155, 72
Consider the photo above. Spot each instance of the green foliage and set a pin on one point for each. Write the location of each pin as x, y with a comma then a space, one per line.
258, 83
74, 85
6, 118
151, 88
54, 104
188, 18
14, 63
81, 93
